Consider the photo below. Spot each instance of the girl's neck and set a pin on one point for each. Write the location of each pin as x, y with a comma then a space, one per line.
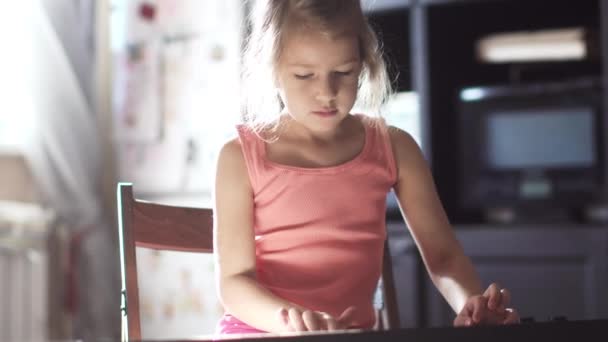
294, 130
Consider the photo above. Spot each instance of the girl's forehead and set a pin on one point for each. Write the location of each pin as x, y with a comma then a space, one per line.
313, 47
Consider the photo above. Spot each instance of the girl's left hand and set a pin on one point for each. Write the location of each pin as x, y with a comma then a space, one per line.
490, 308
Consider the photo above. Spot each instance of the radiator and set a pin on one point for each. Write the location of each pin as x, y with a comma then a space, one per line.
27, 233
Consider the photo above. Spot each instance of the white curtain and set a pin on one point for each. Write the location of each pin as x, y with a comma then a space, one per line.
65, 155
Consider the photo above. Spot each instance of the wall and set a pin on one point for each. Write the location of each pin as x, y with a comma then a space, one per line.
16, 183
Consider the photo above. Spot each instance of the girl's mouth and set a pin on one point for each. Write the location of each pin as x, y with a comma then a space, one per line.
326, 113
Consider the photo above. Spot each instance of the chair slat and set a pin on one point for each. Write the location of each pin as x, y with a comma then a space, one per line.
173, 228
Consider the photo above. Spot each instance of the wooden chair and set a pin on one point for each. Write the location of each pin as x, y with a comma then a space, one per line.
165, 227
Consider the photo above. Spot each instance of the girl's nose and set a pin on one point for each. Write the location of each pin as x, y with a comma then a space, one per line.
326, 90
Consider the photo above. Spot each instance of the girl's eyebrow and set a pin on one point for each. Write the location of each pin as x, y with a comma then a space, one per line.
305, 65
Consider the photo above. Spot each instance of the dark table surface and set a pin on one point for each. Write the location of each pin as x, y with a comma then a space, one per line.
551, 331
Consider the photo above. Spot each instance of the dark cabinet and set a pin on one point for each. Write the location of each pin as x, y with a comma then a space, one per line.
406, 271
551, 271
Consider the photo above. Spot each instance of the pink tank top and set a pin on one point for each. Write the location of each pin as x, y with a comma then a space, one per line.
320, 232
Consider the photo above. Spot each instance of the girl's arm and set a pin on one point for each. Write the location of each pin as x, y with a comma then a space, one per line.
234, 246
449, 268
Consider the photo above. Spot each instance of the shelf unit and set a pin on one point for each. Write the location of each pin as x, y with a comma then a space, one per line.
434, 48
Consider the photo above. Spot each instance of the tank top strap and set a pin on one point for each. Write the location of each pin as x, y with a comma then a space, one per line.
253, 149
380, 144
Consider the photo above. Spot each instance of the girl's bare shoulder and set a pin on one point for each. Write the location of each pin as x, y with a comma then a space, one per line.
405, 148
231, 160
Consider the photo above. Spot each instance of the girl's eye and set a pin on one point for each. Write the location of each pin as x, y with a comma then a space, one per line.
302, 77
344, 73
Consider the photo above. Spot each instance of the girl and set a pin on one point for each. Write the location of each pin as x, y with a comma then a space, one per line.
300, 194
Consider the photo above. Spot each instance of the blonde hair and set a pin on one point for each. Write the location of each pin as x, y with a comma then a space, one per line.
269, 20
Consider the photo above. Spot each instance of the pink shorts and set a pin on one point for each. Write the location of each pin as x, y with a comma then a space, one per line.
231, 325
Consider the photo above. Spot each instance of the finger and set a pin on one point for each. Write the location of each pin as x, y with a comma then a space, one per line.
462, 320
332, 324
346, 318
464, 316
283, 316
311, 321
480, 310
512, 317
506, 298
295, 320
493, 295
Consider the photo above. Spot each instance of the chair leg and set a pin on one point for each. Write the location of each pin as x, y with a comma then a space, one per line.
123, 329
382, 321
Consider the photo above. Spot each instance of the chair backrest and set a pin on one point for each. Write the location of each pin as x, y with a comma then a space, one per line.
156, 226
165, 227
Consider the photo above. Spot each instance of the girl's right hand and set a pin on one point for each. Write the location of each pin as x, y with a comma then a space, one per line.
296, 319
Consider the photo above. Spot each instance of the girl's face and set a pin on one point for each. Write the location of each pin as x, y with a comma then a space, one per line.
317, 76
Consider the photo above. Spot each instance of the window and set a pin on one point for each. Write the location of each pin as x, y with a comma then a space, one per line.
402, 111
16, 32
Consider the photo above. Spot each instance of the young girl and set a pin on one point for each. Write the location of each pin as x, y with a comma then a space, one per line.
300, 194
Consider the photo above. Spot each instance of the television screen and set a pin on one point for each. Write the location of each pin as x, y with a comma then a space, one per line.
544, 138
536, 150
